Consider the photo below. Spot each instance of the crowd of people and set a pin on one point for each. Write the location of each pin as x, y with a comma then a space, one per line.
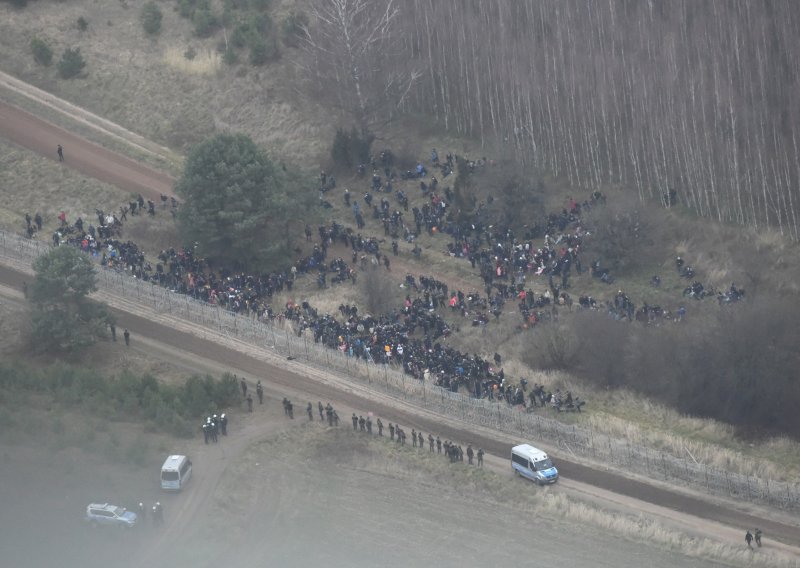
413, 334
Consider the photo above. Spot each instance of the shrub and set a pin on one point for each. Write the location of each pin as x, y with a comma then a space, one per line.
71, 64
230, 57
151, 18
204, 22
262, 51
42, 53
83, 24
128, 396
293, 28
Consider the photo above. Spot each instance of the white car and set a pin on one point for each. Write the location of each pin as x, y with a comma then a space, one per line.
113, 515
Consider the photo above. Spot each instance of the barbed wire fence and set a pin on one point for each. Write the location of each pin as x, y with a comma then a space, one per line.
580, 441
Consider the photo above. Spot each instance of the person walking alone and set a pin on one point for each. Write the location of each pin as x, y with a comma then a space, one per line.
127, 335
60, 151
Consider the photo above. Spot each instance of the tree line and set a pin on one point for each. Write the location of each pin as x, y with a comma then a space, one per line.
693, 97
739, 366
696, 98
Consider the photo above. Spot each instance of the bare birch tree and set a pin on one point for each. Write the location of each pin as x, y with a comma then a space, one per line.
355, 57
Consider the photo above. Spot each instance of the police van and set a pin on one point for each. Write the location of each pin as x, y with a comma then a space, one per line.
533, 463
175, 472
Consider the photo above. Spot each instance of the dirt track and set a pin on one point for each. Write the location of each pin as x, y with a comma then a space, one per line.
42, 137
290, 379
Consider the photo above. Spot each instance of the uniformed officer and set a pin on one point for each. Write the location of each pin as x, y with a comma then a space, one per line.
414, 437
319, 407
223, 424
369, 425
249, 403
362, 424
355, 422
480, 457
430, 441
290, 408
206, 432
260, 393
438, 445
310, 411
391, 431
470, 453
380, 427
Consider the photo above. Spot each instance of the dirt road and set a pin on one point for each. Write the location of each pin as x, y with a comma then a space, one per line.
291, 377
43, 137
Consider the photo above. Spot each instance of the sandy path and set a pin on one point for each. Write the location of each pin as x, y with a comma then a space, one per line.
29, 131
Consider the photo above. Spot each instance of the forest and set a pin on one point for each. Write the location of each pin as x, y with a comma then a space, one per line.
695, 98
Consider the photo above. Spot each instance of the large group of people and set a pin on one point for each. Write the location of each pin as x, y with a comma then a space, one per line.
413, 334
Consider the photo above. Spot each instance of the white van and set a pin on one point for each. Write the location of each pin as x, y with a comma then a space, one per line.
175, 472
533, 463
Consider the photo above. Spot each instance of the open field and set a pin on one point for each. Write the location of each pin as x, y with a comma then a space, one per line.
294, 499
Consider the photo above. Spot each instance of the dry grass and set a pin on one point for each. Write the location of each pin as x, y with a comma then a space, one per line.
643, 529
205, 62
408, 466
32, 183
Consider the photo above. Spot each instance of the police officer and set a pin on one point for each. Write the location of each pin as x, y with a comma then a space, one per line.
319, 407
223, 424
480, 457
127, 335
414, 437
142, 512
243, 384
430, 441
249, 403
214, 429
362, 424
158, 514
335, 418
355, 422
391, 431
260, 393
290, 408
369, 425
206, 432
310, 411
285, 406
421, 439
380, 427
470, 453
